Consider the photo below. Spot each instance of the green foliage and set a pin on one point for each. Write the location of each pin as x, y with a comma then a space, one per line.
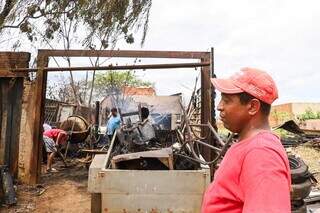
282, 133
112, 82
281, 116
309, 114
107, 20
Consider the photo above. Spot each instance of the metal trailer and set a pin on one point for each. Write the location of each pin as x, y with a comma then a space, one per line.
115, 190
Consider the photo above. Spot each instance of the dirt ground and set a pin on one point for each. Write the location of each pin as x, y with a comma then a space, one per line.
63, 191
66, 190
311, 157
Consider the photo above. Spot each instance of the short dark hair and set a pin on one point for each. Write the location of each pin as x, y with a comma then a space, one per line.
246, 97
114, 109
144, 112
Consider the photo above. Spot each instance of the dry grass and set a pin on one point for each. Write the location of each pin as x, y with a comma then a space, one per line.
311, 157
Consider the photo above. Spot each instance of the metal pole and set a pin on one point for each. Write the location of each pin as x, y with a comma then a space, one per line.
213, 91
96, 118
111, 67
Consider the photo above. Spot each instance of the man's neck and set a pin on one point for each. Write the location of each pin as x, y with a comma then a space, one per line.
252, 128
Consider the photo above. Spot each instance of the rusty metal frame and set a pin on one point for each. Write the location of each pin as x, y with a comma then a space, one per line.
41, 80
112, 67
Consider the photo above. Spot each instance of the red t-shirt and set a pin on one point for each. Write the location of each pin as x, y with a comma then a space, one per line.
53, 133
254, 176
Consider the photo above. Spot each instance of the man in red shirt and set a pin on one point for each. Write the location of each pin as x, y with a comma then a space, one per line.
52, 138
254, 175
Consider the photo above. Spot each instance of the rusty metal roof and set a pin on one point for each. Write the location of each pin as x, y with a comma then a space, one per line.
147, 91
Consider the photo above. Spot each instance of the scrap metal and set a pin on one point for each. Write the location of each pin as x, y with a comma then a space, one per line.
42, 73
186, 149
142, 159
10, 197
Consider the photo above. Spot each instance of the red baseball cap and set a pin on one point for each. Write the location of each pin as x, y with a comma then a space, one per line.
256, 82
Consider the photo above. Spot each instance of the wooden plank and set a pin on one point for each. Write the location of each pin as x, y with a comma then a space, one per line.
4, 73
16, 110
11, 94
26, 132
206, 108
4, 115
161, 153
41, 80
213, 92
125, 53
96, 203
8, 118
120, 67
94, 151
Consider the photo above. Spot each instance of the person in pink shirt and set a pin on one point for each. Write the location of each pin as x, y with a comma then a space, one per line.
254, 175
52, 138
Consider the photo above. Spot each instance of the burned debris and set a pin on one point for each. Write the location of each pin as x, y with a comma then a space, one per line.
297, 136
161, 159
7, 188
178, 138
147, 136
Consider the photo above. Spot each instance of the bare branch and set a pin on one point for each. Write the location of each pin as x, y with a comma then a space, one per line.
6, 11
33, 17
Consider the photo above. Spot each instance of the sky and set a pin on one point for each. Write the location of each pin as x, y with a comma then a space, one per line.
279, 36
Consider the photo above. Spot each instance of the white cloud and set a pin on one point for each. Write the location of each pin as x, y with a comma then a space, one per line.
278, 36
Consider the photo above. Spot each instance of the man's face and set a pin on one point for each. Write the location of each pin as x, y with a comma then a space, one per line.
114, 113
233, 114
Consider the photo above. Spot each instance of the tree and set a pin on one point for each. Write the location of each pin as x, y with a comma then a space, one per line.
112, 18
101, 22
112, 82
6, 8
63, 90
309, 114
109, 83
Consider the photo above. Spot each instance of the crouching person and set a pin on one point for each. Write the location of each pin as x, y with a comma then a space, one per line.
52, 138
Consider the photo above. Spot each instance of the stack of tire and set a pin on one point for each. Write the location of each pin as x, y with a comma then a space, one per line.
302, 181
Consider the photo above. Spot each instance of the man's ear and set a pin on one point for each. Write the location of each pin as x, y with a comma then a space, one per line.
254, 106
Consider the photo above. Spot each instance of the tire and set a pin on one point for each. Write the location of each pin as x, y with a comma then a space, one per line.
299, 170
298, 207
302, 209
301, 190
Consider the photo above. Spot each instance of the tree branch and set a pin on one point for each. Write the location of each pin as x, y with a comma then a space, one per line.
32, 17
6, 11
